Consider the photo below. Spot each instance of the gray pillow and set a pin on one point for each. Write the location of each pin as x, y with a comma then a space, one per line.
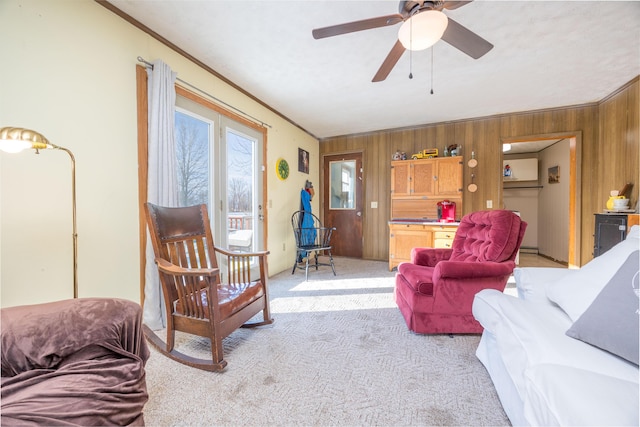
611, 321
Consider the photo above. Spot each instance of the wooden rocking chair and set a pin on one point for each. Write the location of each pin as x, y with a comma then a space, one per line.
196, 301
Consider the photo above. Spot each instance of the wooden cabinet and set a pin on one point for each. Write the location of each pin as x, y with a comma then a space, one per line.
404, 236
418, 185
416, 188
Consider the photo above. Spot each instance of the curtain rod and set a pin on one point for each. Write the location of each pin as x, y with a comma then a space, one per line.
150, 65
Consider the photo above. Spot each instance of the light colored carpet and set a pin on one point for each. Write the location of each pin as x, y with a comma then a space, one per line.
338, 353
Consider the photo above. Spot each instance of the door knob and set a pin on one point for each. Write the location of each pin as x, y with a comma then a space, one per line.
359, 213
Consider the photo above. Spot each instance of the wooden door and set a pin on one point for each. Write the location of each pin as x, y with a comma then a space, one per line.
342, 197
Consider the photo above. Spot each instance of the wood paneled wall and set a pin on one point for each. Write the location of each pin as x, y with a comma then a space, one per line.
609, 157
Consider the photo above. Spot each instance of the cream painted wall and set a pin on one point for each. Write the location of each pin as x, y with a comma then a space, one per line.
525, 201
71, 76
553, 211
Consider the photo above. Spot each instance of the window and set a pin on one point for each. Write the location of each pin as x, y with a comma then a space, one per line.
342, 175
219, 163
193, 138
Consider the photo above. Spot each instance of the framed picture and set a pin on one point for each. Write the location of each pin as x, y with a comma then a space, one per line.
303, 160
554, 174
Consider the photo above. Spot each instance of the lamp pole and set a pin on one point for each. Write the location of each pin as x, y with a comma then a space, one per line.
73, 210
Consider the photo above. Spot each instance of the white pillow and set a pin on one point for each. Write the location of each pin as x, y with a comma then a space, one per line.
531, 281
575, 292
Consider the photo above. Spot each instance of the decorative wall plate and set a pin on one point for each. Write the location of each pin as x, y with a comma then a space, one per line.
282, 168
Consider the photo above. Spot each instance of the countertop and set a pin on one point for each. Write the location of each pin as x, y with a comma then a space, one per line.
422, 221
619, 211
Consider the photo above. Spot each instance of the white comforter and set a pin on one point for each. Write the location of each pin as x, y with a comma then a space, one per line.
558, 380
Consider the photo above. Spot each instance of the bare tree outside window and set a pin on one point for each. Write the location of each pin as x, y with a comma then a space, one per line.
192, 154
240, 168
219, 163
239, 195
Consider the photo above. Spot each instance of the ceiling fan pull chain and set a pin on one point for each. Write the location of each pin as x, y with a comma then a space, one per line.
410, 49
410, 65
431, 70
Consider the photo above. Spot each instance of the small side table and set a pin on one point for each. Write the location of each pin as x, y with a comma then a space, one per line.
610, 229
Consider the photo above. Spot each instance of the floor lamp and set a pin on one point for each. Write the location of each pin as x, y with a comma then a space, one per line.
14, 140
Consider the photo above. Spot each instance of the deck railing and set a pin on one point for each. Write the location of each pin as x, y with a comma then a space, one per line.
240, 221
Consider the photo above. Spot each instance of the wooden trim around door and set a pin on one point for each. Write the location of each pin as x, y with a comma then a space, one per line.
142, 101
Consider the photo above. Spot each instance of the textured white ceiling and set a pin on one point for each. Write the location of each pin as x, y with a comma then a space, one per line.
546, 54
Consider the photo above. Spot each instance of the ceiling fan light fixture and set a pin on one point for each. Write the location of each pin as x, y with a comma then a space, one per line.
423, 29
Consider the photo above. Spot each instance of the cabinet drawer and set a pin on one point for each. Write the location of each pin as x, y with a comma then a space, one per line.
444, 235
442, 243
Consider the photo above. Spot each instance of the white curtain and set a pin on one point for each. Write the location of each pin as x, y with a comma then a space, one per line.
162, 184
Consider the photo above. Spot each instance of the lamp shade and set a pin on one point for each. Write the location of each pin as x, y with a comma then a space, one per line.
14, 140
423, 29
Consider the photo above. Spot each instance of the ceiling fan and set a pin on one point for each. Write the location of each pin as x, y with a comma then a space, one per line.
423, 24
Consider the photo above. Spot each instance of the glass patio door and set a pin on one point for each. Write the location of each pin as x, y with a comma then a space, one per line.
242, 184
219, 163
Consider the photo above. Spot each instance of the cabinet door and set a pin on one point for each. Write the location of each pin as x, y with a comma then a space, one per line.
610, 230
400, 178
449, 176
403, 238
423, 178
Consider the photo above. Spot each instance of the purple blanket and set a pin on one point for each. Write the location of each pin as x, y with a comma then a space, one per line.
73, 362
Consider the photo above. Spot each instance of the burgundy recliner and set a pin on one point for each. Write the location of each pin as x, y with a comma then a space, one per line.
435, 290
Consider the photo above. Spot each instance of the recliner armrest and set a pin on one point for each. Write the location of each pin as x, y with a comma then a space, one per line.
471, 270
429, 257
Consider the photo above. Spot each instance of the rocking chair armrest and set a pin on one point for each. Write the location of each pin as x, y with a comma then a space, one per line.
228, 252
175, 270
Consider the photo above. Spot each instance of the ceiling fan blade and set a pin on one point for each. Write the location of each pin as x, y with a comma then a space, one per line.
389, 62
350, 27
466, 40
450, 5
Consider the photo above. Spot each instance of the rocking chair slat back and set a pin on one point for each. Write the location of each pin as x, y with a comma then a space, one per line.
195, 300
